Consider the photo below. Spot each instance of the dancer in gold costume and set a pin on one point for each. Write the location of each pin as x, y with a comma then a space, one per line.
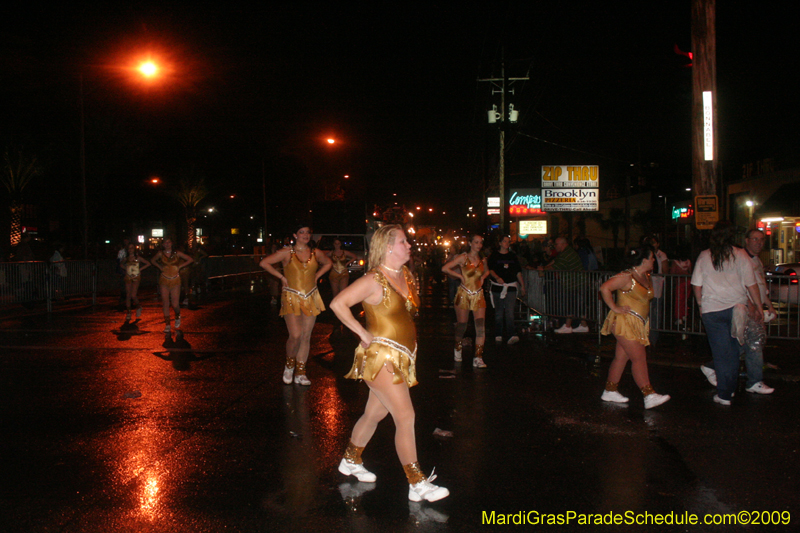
168, 261
300, 299
628, 321
386, 356
471, 269
339, 276
133, 266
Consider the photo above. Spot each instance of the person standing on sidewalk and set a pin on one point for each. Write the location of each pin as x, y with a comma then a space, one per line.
753, 353
628, 321
658, 316
386, 357
569, 260
506, 274
472, 270
722, 280
300, 299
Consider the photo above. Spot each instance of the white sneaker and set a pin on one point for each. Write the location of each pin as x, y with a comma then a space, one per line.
613, 396
710, 374
425, 490
564, 329
513, 340
760, 388
720, 401
457, 355
655, 399
352, 469
581, 329
139, 312
302, 379
166, 329
498, 339
128, 317
288, 374
478, 362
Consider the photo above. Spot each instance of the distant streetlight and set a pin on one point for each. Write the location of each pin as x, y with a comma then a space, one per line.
331, 141
155, 181
148, 69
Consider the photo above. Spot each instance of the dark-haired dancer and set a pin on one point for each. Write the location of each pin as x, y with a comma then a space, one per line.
628, 321
385, 358
471, 269
339, 276
300, 299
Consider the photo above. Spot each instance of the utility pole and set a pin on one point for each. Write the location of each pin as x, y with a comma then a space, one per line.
705, 172
500, 86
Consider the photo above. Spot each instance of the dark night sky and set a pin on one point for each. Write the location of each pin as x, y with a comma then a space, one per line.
396, 82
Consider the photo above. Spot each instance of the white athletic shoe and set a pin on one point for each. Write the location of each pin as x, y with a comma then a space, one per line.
352, 469
425, 490
564, 329
288, 374
655, 399
613, 396
710, 374
302, 379
760, 388
581, 329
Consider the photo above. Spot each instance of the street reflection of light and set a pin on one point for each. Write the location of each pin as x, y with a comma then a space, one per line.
148, 500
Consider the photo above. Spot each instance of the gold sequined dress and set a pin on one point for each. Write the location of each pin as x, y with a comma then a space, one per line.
391, 322
635, 325
170, 275
338, 268
301, 297
470, 293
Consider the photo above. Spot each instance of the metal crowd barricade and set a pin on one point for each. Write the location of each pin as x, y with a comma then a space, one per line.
227, 270
567, 294
32, 282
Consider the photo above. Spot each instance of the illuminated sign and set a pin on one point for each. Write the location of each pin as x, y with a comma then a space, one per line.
708, 126
493, 201
234, 231
707, 212
525, 202
571, 176
495, 211
157, 233
570, 200
681, 212
533, 227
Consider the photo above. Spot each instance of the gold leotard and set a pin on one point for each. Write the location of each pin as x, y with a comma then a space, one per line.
635, 325
391, 323
301, 296
170, 275
470, 293
132, 269
338, 268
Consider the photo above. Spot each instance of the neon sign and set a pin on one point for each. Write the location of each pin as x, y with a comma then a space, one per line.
682, 212
525, 202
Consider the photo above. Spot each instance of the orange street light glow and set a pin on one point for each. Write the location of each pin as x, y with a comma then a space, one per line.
155, 181
331, 141
148, 69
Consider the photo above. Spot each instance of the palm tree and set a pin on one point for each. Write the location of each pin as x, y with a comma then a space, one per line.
19, 169
191, 191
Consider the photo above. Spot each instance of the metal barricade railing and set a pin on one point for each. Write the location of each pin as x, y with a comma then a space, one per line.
228, 269
566, 294
38, 281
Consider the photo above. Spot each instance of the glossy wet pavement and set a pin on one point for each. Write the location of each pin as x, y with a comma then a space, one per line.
108, 428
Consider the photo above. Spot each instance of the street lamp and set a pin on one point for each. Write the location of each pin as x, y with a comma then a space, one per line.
148, 69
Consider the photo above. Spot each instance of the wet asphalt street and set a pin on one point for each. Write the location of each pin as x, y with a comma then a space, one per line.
117, 429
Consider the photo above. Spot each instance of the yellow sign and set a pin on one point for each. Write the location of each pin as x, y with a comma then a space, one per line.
706, 211
570, 176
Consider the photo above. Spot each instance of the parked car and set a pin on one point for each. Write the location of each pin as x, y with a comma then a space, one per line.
352, 243
784, 282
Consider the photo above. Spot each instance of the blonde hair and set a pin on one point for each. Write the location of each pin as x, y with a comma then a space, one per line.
381, 240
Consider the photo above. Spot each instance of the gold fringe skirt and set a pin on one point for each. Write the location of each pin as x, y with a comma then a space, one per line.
294, 304
627, 326
369, 362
